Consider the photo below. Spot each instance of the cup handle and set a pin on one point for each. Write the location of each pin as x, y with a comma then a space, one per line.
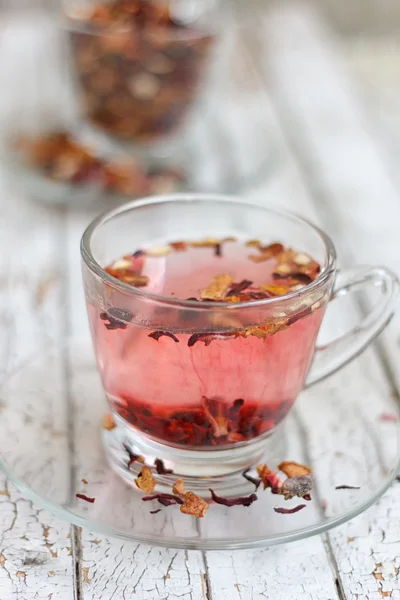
330, 358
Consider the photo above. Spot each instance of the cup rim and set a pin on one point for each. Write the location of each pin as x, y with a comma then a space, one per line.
142, 294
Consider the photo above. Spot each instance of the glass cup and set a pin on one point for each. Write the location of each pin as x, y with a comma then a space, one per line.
183, 382
141, 66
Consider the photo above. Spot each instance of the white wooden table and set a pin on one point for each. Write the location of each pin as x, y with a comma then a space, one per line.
333, 113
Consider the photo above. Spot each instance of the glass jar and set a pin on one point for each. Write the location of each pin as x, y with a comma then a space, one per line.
141, 66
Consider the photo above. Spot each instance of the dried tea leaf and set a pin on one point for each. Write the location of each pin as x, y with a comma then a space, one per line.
194, 505
157, 334
135, 280
302, 259
161, 468
239, 287
251, 479
145, 480
207, 242
86, 498
275, 290
164, 499
289, 511
294, 469
217, 288
156, 251
108, 422
179, 246
240, 501
267, 252
347, 487
179, 487
269, 478
300, 486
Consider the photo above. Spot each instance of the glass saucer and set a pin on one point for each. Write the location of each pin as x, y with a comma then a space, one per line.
51, 448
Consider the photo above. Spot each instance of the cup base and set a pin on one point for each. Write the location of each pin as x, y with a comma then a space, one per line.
220, 469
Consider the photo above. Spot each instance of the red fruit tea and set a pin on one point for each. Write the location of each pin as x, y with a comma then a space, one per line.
208, 377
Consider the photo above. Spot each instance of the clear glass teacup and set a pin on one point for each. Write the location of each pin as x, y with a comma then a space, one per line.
204, 312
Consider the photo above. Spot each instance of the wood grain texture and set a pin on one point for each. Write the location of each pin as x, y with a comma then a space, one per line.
344, 166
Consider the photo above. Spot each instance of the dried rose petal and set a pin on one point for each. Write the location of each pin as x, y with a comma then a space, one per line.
217, 288
300, 486
154, 512
160, 467
157, 334
194, 505
294, 469
240, 501
145, 480
108, 422
347, 487
179, 487
289, 511
86, 498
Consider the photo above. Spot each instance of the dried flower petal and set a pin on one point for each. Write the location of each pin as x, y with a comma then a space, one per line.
216, 412
251, 479
300, 486
218, 249
108, 422
289, 511
256, 243
275, 290
240, 501
157, 334
145, 480
239, 287
86, 498
132, 456
164, 499
179, 246
194, 505
207, 242
85, 481
302, 259
388, 418
179, 487
347, 487
269, 478
154, 512
160, 467
294, 469
217, 288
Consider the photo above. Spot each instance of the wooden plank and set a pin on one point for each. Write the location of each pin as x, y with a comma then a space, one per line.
35, 547
358, 204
